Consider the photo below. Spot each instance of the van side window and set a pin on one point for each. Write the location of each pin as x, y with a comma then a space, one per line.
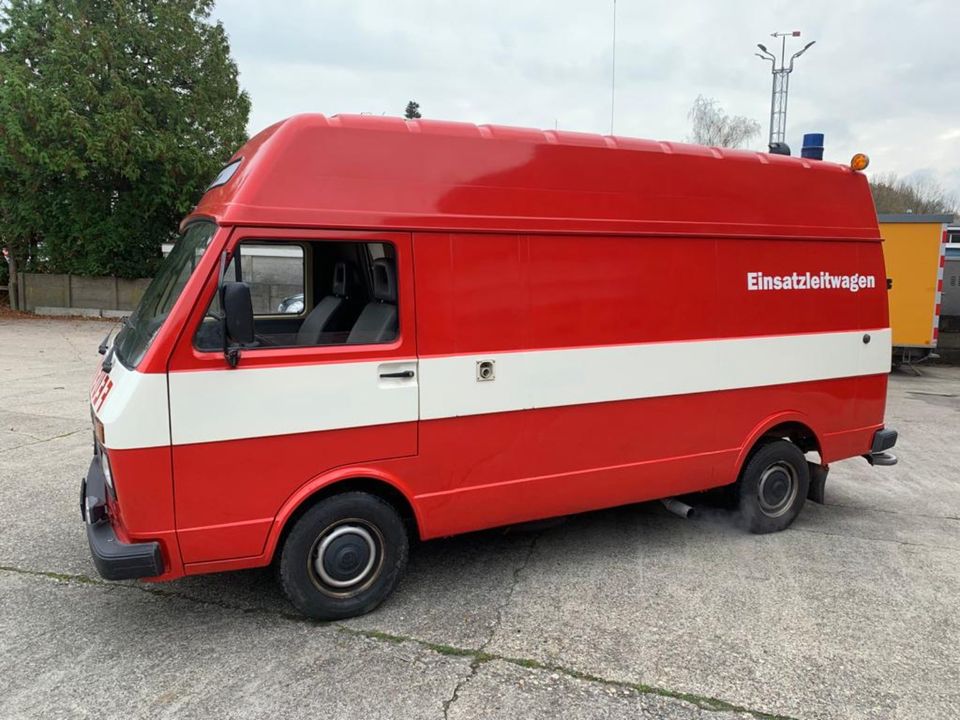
312, 293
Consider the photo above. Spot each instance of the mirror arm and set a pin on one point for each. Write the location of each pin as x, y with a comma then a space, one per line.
231, 353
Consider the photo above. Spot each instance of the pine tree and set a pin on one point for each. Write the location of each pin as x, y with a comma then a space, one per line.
114, 116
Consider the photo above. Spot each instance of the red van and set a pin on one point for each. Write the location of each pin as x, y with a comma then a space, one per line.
496, 325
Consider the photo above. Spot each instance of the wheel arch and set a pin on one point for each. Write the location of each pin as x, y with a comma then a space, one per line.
793, 426
368, 480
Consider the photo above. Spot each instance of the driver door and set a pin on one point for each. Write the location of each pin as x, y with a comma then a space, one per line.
246, 438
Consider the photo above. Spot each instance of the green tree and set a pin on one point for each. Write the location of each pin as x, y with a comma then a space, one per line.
413, 110
114, 116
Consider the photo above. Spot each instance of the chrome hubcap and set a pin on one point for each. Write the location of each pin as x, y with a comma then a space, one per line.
777, 489
346, 556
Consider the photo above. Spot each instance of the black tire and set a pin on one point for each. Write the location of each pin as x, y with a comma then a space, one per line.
364, 552
772, 488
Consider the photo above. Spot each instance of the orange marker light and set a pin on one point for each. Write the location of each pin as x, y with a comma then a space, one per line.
859, 161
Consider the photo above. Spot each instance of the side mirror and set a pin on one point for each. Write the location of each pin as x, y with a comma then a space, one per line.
237, 319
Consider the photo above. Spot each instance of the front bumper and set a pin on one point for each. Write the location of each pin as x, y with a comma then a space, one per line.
114, 560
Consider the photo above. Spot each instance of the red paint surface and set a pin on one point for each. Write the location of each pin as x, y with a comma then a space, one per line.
144, 508
313, 171
228, 493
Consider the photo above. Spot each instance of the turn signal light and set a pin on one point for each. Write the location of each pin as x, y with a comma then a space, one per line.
859, 162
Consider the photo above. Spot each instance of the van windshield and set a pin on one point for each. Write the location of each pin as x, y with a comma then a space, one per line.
162, 293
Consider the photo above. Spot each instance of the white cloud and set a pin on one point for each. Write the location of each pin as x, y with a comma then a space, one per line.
881, 79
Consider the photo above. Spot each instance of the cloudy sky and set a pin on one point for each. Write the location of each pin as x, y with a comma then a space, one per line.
883, 77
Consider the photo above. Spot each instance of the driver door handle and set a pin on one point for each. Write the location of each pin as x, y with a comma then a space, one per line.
398, 374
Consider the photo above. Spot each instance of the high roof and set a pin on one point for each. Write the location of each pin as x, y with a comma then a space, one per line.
352, 171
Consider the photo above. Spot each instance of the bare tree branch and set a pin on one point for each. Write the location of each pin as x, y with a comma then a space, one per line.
921, 194
712, 126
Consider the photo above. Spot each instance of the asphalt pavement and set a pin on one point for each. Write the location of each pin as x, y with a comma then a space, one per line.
625, 613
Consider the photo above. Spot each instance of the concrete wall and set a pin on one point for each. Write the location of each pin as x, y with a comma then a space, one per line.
273, 273
49, 290
77, 292
129, 292
271, 280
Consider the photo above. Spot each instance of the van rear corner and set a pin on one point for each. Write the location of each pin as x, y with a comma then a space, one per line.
883, 440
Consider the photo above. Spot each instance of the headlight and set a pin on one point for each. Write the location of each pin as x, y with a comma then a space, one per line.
97, 430
107, 472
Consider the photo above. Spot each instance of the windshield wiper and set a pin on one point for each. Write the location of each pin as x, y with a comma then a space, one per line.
107, 364
106, 341
124, 322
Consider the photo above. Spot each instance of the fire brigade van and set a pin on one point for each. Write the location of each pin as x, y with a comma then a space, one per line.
498, 325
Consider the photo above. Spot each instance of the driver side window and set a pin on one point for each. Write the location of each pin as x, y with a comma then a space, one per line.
312, 294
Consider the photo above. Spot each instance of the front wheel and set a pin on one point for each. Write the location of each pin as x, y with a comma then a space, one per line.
773, 487
344, 556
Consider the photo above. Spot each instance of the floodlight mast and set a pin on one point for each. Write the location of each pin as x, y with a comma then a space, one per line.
781, 84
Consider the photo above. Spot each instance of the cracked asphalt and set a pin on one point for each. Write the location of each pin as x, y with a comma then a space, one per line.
632, 612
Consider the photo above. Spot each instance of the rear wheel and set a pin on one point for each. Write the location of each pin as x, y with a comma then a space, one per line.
344, 556
773, 487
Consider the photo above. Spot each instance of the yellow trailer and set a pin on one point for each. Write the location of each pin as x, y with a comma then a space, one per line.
913, 250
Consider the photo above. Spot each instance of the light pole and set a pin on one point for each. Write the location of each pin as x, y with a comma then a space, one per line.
613, 68
781, 86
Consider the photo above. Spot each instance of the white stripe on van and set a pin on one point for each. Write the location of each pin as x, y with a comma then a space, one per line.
209, 406
553, 378
216, 405
134, 411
